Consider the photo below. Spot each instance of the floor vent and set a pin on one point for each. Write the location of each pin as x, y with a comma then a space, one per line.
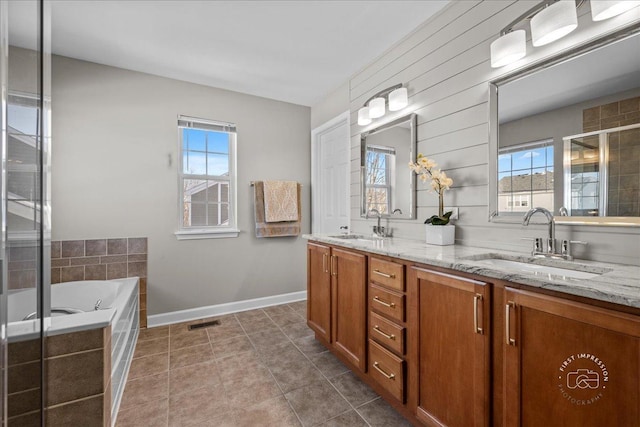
204, 325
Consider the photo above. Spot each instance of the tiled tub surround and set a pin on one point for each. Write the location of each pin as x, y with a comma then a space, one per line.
102, 259
87, 358
256, 368
619, 284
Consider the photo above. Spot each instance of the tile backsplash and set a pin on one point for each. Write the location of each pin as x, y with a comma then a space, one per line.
102, 259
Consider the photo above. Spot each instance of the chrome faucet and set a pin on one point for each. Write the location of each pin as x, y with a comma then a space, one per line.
551, 240
565, 246
378, 230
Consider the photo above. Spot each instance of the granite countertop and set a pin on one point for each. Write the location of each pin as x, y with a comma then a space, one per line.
614, 283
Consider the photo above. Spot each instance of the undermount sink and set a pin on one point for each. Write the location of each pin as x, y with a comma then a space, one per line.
540, 266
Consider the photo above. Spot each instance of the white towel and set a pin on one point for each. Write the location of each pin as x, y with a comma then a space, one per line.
281, 201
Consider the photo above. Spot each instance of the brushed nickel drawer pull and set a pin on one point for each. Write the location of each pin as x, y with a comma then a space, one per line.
509, 340
388, 376
386, 304
325, 268
388, 276
476, 299
334, 266
377, 329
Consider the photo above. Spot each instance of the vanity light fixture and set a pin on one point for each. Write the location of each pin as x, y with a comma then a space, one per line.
550, 21
395, 96
554, 22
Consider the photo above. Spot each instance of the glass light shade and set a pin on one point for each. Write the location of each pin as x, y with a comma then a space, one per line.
363, 116
508, 48
376, 108
554, 22
398, 99
603, 9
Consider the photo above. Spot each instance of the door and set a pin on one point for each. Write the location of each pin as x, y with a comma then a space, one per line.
569, 364
453, 345
349, 323
319, 290
331, 175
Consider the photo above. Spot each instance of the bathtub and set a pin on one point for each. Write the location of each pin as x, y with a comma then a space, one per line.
117, 306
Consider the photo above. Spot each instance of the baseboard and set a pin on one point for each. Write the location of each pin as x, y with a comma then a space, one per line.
221, 309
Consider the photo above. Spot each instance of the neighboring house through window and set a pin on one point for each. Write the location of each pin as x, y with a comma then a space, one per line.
207, 179
525, 176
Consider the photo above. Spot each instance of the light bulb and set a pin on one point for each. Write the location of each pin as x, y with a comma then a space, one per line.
508, 48
376, 108
554, 22
398, 99
363, 116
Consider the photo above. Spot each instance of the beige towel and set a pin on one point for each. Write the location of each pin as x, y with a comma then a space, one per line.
275, 229
280, 201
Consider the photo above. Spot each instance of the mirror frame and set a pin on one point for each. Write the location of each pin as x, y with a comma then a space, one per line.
412, 119
561, 57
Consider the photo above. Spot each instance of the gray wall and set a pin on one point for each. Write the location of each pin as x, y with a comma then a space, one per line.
446, 67
334, 104
115, 157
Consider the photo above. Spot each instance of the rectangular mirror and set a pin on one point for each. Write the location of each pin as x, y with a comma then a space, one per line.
565, 135
388, 185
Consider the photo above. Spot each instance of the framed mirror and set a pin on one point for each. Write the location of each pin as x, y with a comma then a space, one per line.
388, 186
565, 135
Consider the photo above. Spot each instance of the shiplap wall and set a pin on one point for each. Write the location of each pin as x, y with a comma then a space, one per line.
445, 64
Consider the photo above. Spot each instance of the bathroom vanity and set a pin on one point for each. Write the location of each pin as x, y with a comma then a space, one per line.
461, 336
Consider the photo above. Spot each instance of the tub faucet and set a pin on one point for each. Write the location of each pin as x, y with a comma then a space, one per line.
96, 307
551, 240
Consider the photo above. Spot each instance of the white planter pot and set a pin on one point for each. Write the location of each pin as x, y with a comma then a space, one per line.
441, 234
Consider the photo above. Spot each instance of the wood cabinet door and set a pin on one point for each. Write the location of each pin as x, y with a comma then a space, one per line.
349, 323
319, 290
569, 364
453, 345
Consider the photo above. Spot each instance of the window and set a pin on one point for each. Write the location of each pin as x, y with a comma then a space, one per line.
525, 177
379, 162
207, 205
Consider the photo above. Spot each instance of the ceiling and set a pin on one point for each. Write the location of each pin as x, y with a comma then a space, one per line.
293, 51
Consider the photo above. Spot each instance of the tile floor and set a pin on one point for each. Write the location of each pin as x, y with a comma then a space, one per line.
257, 368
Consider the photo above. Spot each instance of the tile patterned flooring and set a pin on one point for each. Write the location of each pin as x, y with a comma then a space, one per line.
257, 368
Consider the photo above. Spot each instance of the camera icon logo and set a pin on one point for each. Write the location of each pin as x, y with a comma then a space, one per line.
583, 379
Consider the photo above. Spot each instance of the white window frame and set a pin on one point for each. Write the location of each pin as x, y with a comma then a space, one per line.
208, 232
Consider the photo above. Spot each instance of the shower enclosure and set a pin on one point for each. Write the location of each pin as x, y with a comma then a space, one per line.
25, 214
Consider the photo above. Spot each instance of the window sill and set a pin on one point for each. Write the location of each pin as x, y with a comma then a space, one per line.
206, 234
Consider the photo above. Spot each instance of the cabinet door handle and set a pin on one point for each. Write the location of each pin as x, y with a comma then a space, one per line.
334, 267
388, 276
386, 304
507, 322
378, 330
388, 376
477, 298
325, 267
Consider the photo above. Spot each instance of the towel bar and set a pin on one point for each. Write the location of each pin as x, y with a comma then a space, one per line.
253, 182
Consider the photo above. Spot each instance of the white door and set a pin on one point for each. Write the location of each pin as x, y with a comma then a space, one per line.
331, 175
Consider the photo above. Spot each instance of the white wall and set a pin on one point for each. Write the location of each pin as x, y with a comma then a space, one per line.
114, 166
446, 67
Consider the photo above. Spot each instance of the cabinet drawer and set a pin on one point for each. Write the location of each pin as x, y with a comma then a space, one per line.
387, 302
387, 369
386, 273
387, 333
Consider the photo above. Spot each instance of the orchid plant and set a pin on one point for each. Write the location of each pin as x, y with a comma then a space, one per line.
426, 169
